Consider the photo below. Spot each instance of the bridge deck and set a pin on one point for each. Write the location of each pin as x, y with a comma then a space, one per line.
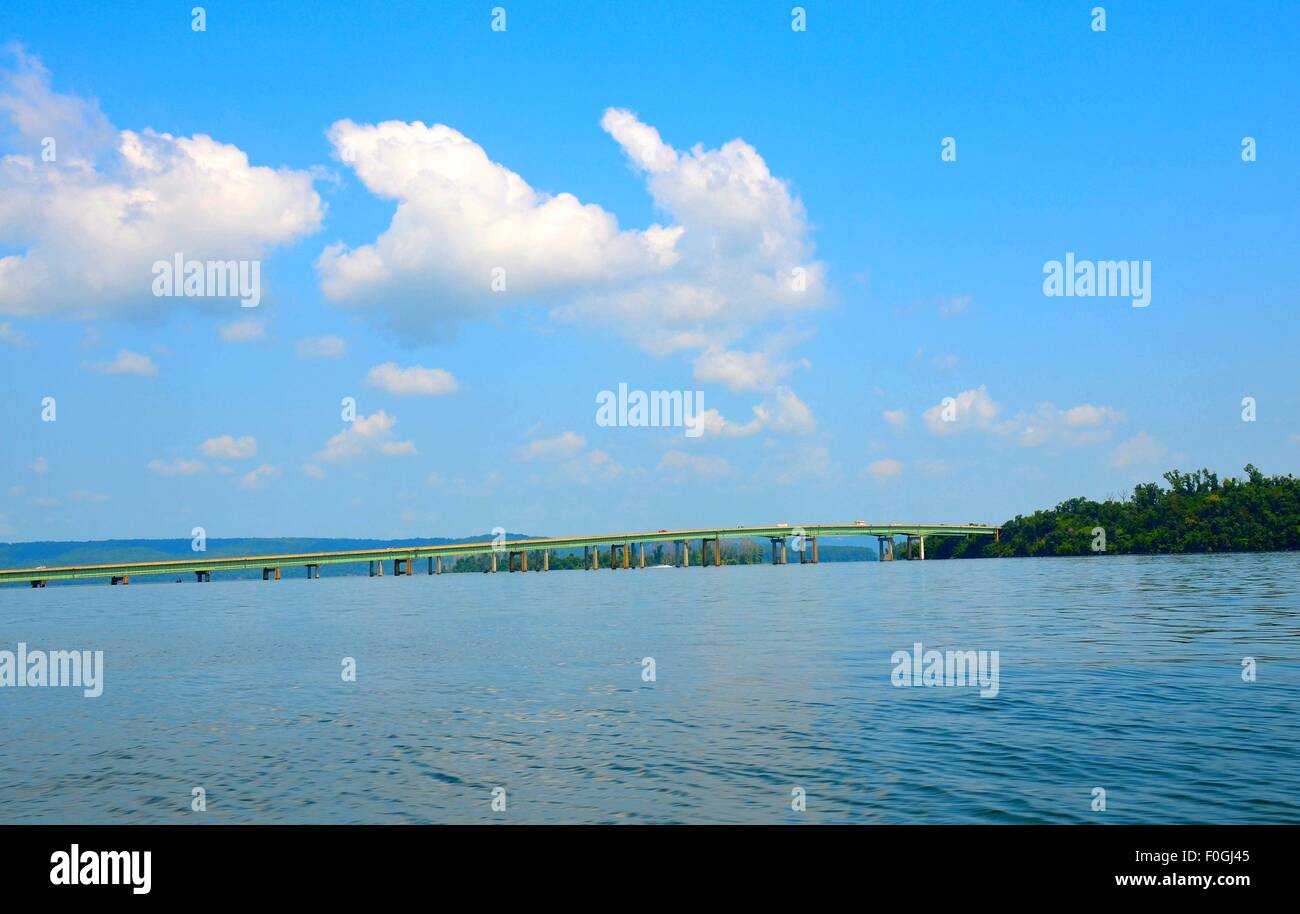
452, 550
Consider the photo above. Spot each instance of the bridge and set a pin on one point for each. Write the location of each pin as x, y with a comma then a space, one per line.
619, 548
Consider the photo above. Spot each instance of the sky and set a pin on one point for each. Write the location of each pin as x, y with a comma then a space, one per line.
472, 231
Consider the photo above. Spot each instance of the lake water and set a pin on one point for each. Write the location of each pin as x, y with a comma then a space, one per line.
1123, 673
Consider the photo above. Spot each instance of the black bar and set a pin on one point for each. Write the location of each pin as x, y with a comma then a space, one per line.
332, 863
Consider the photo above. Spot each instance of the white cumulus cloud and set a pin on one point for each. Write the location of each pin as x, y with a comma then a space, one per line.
366, 436
415, 381
736, 254
89, 225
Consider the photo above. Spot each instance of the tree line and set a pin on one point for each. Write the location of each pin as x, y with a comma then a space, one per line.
1192, 512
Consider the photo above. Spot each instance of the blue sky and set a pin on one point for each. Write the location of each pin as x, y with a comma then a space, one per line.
924, 277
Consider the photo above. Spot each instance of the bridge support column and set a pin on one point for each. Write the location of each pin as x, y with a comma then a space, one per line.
922, 539
686, 554
38, 583
202, 577
814, 545
313, 571
438, 565
803, 552
627, 556
268, 572
640, 551
494, 563
120, 579
546, 560
778, 550
523, 559
430, 565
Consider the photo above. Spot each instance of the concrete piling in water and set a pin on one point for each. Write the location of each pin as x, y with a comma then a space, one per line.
546, 560
640, 555
778, 550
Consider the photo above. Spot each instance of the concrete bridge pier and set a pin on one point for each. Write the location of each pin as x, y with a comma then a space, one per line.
267, 572
546, 560
494, 563
627, 556
121, 579
313, 572
886, 548
38, 583
683, 554
640, 555
778, 550
202, 577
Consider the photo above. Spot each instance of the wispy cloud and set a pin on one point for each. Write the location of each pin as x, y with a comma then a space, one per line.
178, 467
125, 363
227, 447
321, 347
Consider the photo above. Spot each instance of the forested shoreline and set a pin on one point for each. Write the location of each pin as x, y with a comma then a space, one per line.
1192, 513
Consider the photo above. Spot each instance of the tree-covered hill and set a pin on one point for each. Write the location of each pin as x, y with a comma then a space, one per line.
1195, 512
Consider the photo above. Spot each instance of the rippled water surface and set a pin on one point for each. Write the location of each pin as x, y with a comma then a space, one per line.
1122, 673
